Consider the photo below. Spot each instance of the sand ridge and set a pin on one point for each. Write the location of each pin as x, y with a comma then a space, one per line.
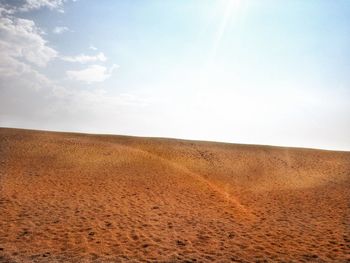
68, 197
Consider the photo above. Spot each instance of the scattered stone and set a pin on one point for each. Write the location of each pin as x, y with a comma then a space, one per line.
231, 235
310, 256
24, 233
180, 243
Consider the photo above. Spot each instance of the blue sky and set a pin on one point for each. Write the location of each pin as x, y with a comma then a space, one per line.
257, 72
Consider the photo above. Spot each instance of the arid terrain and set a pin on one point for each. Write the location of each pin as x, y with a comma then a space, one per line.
68, 197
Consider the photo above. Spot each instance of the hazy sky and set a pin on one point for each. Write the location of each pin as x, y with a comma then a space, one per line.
257, 72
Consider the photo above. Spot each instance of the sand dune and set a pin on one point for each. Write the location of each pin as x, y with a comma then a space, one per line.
68, 197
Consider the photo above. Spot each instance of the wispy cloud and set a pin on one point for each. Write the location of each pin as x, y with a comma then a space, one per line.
12, 7
93, 73
60, 29
21, 40
24, 53
37, 4
85, 58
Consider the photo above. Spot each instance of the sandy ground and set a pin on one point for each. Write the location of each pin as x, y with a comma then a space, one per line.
86, 198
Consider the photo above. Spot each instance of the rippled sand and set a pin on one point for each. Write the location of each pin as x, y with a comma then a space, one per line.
68, 197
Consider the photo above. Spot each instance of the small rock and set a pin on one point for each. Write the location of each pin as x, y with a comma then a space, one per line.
231, 235
180, 243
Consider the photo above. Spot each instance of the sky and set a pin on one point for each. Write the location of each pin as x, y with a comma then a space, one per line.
241, 71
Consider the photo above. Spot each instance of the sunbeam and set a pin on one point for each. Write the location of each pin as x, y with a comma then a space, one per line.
229, 8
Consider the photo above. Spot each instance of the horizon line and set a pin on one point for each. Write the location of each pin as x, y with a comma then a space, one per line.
173, 138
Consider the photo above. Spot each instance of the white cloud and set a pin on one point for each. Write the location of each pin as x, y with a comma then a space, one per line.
93, 73
60, 29
29, 98
5, 10
30, 5
85, 58
12, 67
37, 4
22, 46
92, 47
21, 39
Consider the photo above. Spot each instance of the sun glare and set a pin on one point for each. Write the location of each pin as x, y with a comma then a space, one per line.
229, 8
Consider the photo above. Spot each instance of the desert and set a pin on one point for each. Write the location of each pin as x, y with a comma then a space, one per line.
70, 197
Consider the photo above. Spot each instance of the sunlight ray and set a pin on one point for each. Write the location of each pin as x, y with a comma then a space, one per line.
229, 6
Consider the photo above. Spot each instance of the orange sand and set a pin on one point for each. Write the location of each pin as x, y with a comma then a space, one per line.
87, 198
